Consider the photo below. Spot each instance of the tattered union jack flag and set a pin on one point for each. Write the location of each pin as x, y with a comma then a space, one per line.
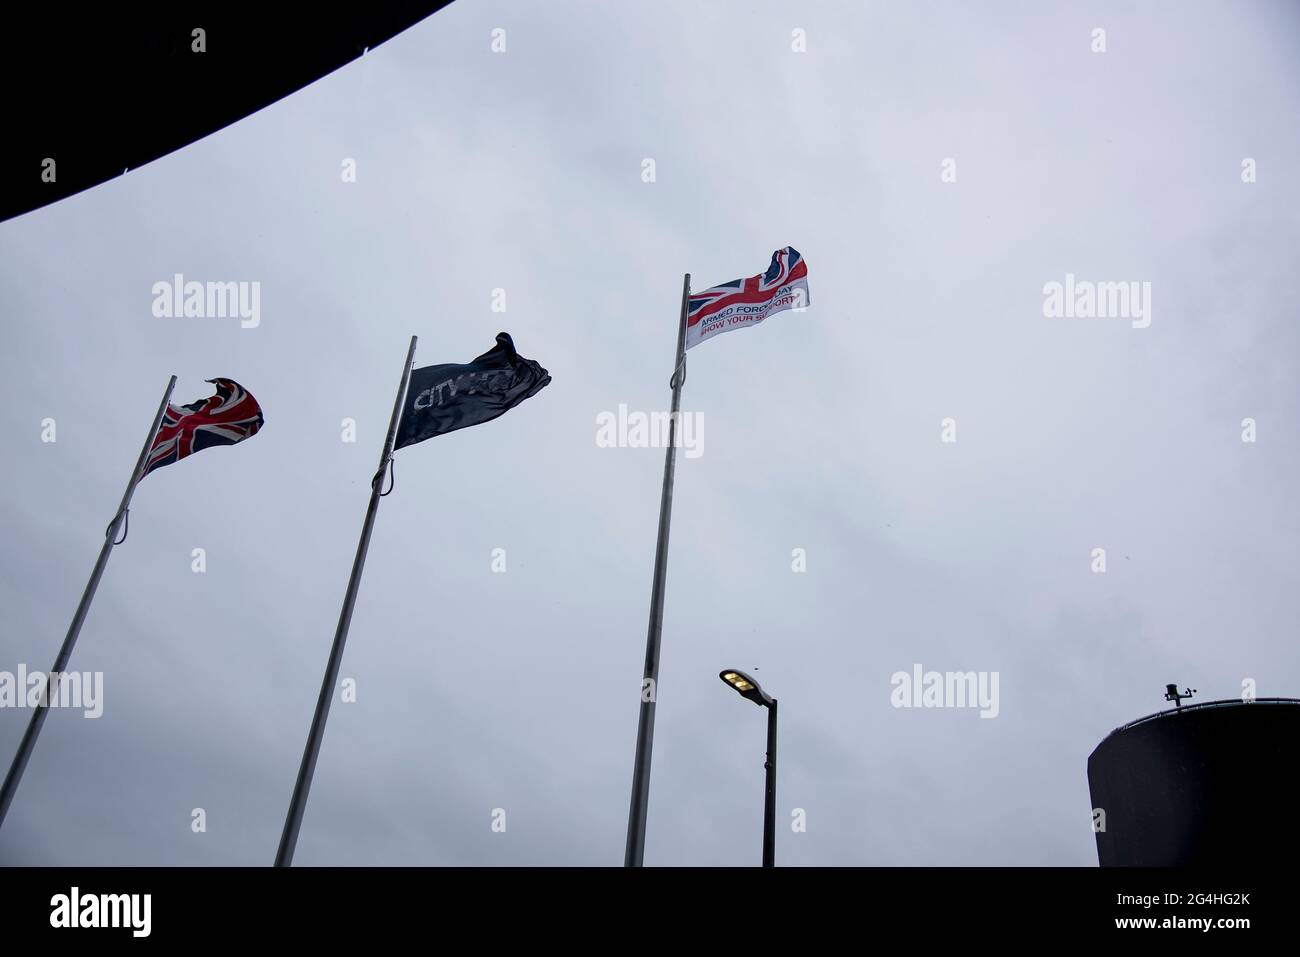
744, 302
230, 416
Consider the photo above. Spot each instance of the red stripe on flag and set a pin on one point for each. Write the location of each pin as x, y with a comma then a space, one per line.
800, 271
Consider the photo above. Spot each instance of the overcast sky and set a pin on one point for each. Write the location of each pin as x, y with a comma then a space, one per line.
523, 171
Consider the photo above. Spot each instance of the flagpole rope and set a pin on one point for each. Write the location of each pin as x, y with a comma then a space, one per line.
126, 526
378, 480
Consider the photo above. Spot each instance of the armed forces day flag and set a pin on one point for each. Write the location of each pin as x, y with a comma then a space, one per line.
448, 397
230, 416
744, 302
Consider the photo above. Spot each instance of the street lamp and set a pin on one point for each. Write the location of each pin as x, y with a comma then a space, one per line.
749, 688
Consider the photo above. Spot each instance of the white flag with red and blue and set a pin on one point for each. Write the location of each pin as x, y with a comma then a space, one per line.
744, 302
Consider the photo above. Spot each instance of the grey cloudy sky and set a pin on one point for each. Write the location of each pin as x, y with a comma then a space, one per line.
522, 170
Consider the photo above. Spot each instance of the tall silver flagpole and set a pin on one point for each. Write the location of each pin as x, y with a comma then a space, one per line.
645, 729
293, 821
61, 663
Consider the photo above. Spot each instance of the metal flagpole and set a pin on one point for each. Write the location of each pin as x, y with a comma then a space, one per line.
293, 821
51, 685
645, 729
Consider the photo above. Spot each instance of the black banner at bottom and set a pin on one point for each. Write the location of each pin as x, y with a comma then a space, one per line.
376, 905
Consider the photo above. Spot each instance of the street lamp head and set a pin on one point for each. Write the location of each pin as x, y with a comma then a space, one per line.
746, 685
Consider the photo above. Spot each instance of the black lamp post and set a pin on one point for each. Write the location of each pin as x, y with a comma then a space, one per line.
749, 688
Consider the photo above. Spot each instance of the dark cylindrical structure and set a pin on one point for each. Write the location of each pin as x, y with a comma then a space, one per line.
769, 796
1205, 784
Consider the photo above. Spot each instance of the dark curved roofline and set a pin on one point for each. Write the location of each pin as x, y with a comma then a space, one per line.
1204, 705
119, 85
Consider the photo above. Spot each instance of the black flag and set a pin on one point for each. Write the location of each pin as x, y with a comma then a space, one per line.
451, 396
